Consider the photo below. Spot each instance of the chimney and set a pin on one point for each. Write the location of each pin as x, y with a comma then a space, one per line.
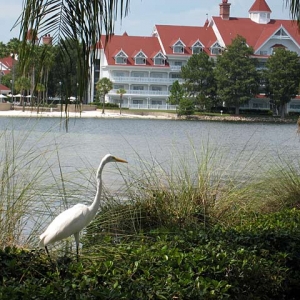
225, 10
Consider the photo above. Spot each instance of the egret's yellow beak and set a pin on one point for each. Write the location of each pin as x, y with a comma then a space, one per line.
120, 160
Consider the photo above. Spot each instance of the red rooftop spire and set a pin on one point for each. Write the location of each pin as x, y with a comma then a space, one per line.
260, 5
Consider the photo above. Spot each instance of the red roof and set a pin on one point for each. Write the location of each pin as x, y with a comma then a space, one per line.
260, 5
255, 34
131, 45
170, 34
4, 88
7, 61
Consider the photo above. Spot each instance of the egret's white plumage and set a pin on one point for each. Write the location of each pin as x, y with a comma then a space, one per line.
74, 219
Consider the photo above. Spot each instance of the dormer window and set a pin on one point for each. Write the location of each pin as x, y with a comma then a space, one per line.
159, 59
178, 47
281, 33
140, 58
216, 49
197, 47
121, 58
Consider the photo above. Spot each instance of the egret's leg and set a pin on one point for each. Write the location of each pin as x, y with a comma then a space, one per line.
76, 235
48, 253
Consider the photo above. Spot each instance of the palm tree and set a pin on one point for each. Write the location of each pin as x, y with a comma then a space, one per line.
103, 86
121, 92
69, 21
23, 84
40, 88
294, 7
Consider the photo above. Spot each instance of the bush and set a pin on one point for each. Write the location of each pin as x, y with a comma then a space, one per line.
256, 260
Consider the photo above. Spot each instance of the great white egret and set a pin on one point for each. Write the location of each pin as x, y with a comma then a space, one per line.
74, 219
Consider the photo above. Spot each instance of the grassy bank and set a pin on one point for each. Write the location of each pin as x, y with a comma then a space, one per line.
187, 228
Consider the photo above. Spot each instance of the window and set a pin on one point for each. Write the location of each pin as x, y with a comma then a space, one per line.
263, 52
178, 63
140, 61
258, 105
156, 102
216, 49
140, 58
197, 47
176, 75
295, 106
138, 74
121, 58
137, 101
156, 88
178, 47
157, 75
159, 61
281, 33
119, 74
138, 88
197, 50
118, 86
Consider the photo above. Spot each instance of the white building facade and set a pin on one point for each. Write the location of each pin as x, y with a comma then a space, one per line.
146, 67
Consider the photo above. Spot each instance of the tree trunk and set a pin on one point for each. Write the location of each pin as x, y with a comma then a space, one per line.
120, 104
282, 111
103, 104
237, 110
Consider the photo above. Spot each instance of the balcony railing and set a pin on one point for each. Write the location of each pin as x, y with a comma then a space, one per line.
142, 92
148, 80
150, 106
175, 68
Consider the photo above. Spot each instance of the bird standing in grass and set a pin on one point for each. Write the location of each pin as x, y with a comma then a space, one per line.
74, 219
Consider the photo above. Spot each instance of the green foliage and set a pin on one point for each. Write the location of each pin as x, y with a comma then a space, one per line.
236, 74
186, 107
199, 79
176, 93
103, 86
282, 78
256, 260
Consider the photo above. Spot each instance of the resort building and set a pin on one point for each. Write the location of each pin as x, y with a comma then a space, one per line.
146, 67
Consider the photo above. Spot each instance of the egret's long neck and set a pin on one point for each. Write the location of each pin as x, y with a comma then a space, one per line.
95, 205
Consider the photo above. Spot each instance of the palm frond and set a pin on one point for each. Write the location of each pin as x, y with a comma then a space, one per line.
79, 22
294, 7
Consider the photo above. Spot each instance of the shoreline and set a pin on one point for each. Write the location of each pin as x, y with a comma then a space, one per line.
142, 115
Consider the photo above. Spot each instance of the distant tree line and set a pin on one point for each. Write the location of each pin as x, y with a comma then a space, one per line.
56, 76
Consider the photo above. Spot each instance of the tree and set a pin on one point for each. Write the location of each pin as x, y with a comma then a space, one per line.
236, 74
186, 107
121, 92
176, 93
40, 88
103, 86
75, 25
23, 84
282, 78
199, 79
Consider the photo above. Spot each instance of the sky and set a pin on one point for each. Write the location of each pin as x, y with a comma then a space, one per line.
144, 14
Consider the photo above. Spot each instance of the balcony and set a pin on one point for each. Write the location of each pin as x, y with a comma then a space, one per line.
175, 68
147, 80
142, 92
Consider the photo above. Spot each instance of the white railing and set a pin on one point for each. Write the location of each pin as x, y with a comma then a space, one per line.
142, 92
150, 106
175, 68
148, 80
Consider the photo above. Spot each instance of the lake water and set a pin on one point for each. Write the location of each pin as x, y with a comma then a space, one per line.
89, 139
243, 147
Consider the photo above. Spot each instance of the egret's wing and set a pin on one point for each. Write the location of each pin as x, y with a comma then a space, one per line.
65, 224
